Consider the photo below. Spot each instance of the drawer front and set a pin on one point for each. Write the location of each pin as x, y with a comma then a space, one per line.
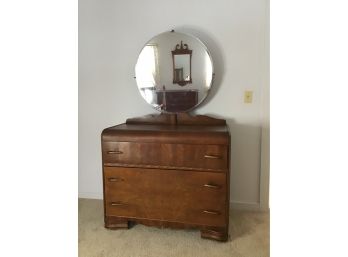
177, 156
170, 195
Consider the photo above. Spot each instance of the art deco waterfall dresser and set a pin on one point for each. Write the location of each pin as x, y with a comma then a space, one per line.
170, 169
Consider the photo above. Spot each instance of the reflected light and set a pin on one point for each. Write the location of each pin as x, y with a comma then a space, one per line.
147, 94
147, 67
208, 71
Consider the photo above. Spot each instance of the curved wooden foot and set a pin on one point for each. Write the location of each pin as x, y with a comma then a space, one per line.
216, 234
116, 223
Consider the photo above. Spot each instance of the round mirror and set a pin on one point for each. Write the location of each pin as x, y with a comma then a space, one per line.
174, 72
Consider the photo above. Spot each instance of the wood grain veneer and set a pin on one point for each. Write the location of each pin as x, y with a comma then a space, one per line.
168, 175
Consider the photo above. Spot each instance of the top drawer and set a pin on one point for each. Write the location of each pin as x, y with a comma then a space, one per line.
175, 156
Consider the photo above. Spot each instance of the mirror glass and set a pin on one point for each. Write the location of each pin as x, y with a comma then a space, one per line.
182, 69
174, 72
182, 64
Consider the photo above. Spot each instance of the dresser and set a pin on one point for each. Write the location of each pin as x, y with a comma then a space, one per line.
171, 171
177, 100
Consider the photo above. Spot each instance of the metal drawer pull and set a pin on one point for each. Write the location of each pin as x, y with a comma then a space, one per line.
211, 186
212, 156
115, 179
115, 152
211, 212
116, 204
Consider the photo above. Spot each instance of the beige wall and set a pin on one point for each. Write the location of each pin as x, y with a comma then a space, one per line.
111, 35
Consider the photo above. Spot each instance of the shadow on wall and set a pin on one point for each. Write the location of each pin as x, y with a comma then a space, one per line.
245, 163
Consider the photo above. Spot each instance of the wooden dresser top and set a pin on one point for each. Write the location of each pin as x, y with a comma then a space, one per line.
189, 134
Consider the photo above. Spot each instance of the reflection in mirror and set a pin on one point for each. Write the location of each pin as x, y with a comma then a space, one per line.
164, 76
182, 64
182, 68
148, 71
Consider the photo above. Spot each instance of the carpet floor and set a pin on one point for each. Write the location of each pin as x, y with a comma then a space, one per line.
249, 237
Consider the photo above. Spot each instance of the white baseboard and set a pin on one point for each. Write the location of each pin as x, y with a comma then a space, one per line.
91, 195
248, 206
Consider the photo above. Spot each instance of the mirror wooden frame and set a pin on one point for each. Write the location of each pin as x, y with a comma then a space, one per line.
181, 49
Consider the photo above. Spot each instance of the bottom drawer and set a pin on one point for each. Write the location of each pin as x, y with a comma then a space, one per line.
170, 195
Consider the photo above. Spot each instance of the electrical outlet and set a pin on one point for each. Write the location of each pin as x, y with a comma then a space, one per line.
248, 97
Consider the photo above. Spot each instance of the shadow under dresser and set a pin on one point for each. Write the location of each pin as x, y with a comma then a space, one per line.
167, 176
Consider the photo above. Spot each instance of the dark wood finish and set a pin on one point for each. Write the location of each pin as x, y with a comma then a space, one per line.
158, 119
177, 100
168, 176
112, 222
176, 119
175, 195
170, 156
215, 233
207, 135
182, 49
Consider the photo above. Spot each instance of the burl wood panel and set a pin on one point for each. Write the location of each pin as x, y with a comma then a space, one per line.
170, 171
168, 134
175, 156
175, 195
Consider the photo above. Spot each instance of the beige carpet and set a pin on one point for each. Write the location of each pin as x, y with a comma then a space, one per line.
249, 237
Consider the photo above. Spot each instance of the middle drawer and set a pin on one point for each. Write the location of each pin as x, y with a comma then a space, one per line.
173, 195
178, 156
